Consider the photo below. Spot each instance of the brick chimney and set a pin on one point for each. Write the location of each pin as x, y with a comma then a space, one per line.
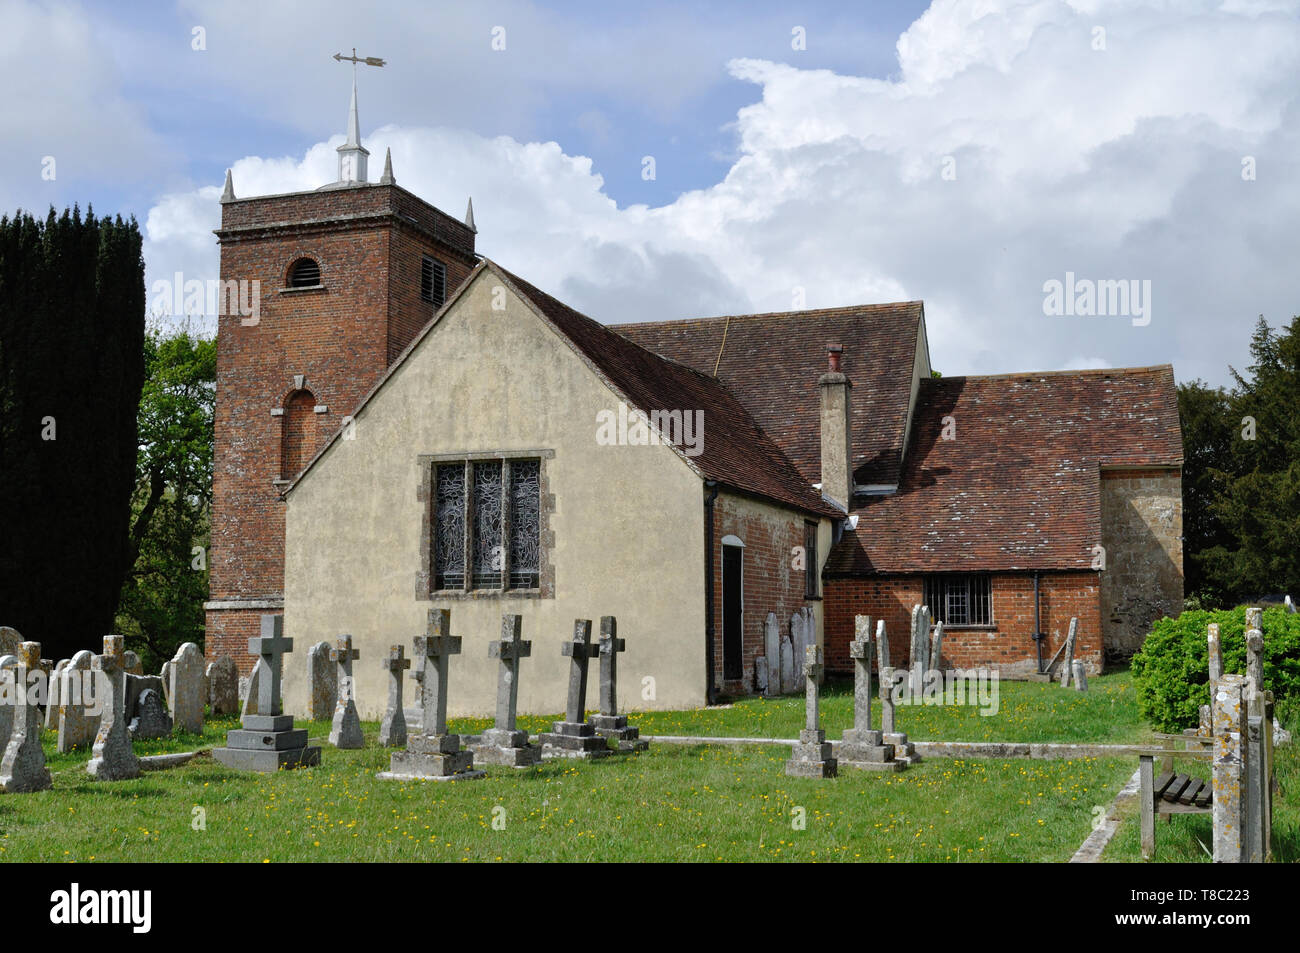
837, 455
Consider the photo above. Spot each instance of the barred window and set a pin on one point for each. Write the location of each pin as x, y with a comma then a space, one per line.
304, 273
433, 281
960, 600
490, 511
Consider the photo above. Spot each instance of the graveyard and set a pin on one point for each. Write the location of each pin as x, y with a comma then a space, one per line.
712, 784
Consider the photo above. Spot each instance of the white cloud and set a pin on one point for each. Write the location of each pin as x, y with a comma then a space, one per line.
1115, 163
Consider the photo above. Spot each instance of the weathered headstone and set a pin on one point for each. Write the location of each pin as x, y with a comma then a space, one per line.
863, 746
111, 757
223, 686
772, 651
503, 743
392, 729
8, 690
137, 685
267, 741
574, 737
165, 673
52, 701
608, 722
812, 756
434, 754
322, 683
760, 675
186, 697
919, 659
251, 686
1080, 675
345, 731
798, 644
151, 720
1228, 771
787, 665
936, 647
1255, 661
79, 704
9, 641
131, 663
22, 766
1215, 650
1067, 662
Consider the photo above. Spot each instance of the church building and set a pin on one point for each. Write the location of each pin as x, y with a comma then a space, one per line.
409, 425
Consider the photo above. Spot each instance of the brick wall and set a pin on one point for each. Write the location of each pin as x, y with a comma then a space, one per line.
1141, 529
771, 584
1006, 645
340, 338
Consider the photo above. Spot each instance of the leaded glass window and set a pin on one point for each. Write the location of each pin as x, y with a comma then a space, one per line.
490, 510
449, 528
525, 523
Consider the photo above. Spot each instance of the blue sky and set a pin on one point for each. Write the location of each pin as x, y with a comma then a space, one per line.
964, 152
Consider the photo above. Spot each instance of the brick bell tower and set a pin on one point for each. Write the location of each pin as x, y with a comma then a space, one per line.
348, 275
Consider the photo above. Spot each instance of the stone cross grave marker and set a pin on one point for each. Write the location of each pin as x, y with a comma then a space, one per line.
574, 737
504, 743
267, 741
345, 731
433, 754
1228, 772
862, 746
811, 757
1255, 661
1215, 648
890, 680
392, 730
22, 766
609, 724
112, 758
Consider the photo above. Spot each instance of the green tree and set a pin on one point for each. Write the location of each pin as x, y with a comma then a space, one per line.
1208, 433
71, 367
163, 595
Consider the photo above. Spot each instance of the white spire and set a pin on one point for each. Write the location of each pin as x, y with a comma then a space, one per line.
352, 154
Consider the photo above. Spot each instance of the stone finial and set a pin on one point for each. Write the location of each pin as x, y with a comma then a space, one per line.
469, 216
228, 193
387, 177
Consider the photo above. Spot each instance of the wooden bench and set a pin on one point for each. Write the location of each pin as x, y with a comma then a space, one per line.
1172, 793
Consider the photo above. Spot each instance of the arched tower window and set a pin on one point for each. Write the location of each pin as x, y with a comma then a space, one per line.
298, 440
304, 273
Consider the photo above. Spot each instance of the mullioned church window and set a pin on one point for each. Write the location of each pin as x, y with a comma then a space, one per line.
486, 532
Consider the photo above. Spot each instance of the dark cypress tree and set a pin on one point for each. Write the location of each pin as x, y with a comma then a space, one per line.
72, 304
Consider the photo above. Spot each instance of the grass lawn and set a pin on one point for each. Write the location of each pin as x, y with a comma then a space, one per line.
676, 802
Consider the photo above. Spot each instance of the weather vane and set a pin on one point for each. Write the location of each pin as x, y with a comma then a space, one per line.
354, 59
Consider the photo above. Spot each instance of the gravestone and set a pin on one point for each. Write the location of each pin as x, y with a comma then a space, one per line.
787, 666
151, 720
52, 701
433, 755
267, 740
111, 757
609, 724
165, 673
936, 647
8, 689
1080, 675
918, 648
574, 737
892, 681
322, 683
1215, 654
22, 766
131, 663
223, 686
186, 696
80, 713
392, 729
798, 645
1067, 663
1255, 661
136, 685
252, 689
862, 746
760, 675
812, 756
1229, 769
9, 641
503, 743
345, 731
772, 650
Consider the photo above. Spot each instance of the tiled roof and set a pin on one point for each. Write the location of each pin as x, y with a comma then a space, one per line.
771, 362
1018, 487
736, 452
